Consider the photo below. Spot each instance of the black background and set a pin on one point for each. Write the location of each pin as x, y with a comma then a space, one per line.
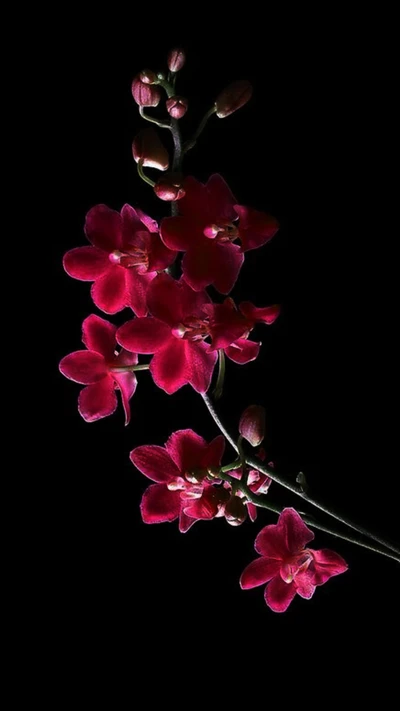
309, 149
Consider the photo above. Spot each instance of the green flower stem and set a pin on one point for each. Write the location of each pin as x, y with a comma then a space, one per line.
158, 122
262, 502
130, 368
167, 86
231, 467
192, 142
143, 176
256, 463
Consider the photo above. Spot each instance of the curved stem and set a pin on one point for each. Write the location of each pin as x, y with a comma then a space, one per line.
261, 502
283, 481
177, 158
192, 142
144, 177
158, 122
217, 421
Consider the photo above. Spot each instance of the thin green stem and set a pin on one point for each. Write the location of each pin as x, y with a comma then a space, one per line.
192, 141
158, 122
221, 375
144, 177
261, 502
256, 463
217, 421
177, 157
167, 86
231, 467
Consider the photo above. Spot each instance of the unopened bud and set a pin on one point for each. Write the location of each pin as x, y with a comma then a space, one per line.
252, 424
177, 106
147, 76
145, 94
233, 98
176, 59
169, 187
235, 511
148, 149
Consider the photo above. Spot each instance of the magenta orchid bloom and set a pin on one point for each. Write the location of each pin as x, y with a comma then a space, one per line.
286, 565
206, 230
175, 335
101, 369
179, 470
182, 320
229, 328
126, 255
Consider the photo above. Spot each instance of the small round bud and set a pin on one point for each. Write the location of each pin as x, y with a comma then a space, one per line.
145, 94
147, 76
169, 187
235, 511
233, 98
176, 59
252, 424
148, 149
177, 106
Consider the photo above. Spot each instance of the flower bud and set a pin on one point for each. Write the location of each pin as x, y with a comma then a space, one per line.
235, 511
176, 59
169, 187
147, 76
252, 424
148, 149
233, 98
145, 94
177, 106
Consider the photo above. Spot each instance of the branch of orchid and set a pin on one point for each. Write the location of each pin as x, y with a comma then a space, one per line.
168, 87
130, 368
256, 463
192, 141
158, 122
261, 502
141, 174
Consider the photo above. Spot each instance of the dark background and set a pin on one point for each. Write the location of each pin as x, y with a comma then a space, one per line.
309, 149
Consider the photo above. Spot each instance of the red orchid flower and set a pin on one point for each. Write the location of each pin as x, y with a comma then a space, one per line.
286, 565
179, 470
182, 320
102, 370
126, 255
175, 335
206, 230
229, 328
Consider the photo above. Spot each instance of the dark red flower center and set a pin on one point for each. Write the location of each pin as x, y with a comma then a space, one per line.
132, 257
296, 564
192, 329
222, 232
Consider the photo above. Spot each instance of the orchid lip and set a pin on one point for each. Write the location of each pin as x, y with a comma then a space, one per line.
296, 564
225, 232
193, 330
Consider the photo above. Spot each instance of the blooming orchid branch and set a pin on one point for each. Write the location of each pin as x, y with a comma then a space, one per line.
298, 490
132, 262
265, 503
